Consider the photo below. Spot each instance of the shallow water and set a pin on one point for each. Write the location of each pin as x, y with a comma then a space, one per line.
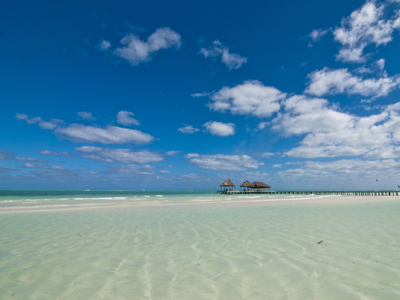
198, 246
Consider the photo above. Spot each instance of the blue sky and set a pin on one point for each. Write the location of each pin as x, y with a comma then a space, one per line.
180, 95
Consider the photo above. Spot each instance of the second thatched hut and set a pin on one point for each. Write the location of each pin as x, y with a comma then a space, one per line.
247, 185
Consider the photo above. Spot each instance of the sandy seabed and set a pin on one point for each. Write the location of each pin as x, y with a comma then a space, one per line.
321, 247
228, 201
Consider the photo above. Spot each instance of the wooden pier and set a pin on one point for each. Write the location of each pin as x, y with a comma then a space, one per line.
343, 193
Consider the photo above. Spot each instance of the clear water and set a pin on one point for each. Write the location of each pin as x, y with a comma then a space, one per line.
197, 245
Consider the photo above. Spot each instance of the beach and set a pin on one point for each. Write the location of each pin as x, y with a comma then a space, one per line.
155, 245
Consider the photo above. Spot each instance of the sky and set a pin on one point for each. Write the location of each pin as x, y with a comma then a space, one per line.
172, 95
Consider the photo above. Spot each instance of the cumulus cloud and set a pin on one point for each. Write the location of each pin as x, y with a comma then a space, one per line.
85, 115
119, 155
344, 170
249, 98
42, 166
90, 134
217, 49
366, 25
257, 175
316, 35
48, 152
267, 154
49, 125
165, 172
131, 170
304, 115
125, 118
171, 153
135, 51
107, 135
103, 45
219, 128
221, 162
188, 129
262, 125
331, 133
341, 81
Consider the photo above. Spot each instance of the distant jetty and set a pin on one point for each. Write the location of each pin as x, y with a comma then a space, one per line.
257, 187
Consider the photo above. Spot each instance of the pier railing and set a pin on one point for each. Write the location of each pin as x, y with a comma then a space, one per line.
344, 193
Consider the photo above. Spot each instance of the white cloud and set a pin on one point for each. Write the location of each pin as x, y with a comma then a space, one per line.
352, 164
316, 35
42, 166
119, 155
346, 174
103, 45
85, 115
330, 133
38, 120
277, 166
131, 170
48, 152
171, 153
381, 64
220, 162
231, 60
396, 23
165, 172
267, 154
47, 125
304, 115
366, 25
107, 135
249, 98
262, 125
255, 175
198, 95
293, 163
351, 55
188, 129
342, 168
82, 133
135, 51
219, 128
125, 118
341, 81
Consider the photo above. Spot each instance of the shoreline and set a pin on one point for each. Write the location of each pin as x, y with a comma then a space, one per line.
323, 199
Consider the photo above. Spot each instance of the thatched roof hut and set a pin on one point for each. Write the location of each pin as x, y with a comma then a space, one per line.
227, 183
260, 185
247, 184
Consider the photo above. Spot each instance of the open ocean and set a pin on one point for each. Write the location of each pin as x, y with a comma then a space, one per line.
197, 245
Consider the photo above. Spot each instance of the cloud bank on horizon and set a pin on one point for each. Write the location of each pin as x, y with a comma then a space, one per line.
201, 121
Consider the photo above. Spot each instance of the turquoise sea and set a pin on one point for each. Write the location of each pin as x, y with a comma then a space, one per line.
197, 245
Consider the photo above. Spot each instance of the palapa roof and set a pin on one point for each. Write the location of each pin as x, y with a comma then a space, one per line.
227, 182
247, 184
260, 185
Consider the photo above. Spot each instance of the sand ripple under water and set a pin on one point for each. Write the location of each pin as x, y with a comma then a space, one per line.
165, 250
